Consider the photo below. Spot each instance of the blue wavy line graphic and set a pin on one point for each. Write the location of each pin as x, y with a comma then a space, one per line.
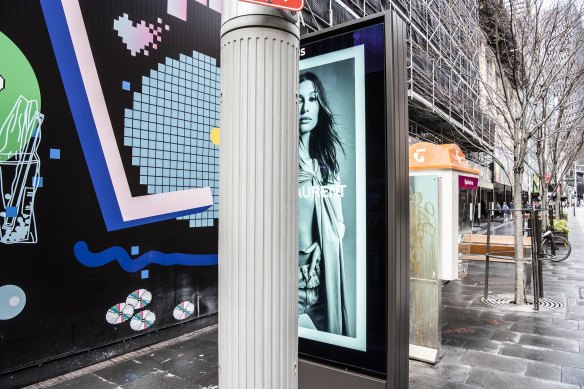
117, 253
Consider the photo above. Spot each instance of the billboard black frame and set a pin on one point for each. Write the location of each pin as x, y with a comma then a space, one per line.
315, 373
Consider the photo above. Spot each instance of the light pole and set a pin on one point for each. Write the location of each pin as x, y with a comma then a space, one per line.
575, 188
258, 175
576, 165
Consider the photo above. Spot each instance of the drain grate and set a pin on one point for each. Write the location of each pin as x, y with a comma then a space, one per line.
544, 303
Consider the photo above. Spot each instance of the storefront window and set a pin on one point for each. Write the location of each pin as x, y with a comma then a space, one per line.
465, 207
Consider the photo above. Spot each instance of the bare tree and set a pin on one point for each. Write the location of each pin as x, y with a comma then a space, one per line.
559, 144
535, 52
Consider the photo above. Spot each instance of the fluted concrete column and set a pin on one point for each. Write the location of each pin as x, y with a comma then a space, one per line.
258, 239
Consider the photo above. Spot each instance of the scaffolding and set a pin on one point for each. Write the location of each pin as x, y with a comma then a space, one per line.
443, 68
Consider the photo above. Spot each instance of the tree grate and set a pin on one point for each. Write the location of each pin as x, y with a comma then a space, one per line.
544, 303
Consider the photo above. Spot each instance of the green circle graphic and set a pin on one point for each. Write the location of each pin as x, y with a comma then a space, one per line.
18, 79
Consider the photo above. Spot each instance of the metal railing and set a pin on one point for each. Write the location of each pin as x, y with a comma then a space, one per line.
535, 257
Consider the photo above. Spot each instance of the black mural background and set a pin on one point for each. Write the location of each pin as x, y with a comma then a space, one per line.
66, 301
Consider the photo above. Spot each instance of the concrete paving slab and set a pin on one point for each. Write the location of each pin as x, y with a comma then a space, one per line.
506, 336
573, 375
562, 358
209, 380
126, 371
486, 378
161, 380
567, 324
545, 371
548, 331
549, 342
494, 361
193, 369
427, 376
196, 348
86, 381
451, 354
164, 359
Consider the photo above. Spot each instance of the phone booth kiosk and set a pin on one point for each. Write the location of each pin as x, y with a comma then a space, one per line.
448, 164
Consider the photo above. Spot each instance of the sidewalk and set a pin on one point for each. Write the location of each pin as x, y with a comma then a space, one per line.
506, 347
189, 361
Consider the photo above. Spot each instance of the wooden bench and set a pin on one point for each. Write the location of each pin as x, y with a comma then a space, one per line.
501, 245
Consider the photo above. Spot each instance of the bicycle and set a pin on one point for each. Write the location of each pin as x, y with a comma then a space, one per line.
555, 248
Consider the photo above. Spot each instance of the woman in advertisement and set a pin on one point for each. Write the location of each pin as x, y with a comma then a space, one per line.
321, 291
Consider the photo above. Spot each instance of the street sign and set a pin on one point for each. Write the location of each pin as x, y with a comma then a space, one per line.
290, 5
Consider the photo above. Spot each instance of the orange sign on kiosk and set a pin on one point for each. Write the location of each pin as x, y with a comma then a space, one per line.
428, 156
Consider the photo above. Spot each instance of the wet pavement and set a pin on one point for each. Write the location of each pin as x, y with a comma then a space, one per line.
499, 347
482, 346
189, 361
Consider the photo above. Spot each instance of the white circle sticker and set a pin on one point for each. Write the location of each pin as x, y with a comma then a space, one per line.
183, 310
119, 313
139, 298
142, 320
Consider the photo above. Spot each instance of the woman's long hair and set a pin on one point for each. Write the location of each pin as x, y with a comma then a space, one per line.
324, 138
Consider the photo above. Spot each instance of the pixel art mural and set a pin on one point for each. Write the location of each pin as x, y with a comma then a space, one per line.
109, 156
95, 125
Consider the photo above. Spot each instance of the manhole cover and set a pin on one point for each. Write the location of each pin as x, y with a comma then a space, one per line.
544, 303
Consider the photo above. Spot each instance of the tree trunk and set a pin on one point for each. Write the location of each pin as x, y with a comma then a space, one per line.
557, 214
545, 202
518, 220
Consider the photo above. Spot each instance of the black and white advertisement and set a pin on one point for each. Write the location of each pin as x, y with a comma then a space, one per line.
331, 188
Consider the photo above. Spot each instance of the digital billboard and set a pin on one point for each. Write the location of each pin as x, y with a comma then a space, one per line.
341, 189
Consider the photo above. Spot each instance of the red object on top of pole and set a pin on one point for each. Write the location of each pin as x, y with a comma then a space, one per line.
290, 5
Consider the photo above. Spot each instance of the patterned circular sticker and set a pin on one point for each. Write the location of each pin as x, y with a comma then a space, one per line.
142, 320
183, 310
12, 300
119, 313
139, 298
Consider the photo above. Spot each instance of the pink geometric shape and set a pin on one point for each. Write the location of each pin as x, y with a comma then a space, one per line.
158, 38
145, 52
135, 37
177, 8
154, 46
215, 5
159, 29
